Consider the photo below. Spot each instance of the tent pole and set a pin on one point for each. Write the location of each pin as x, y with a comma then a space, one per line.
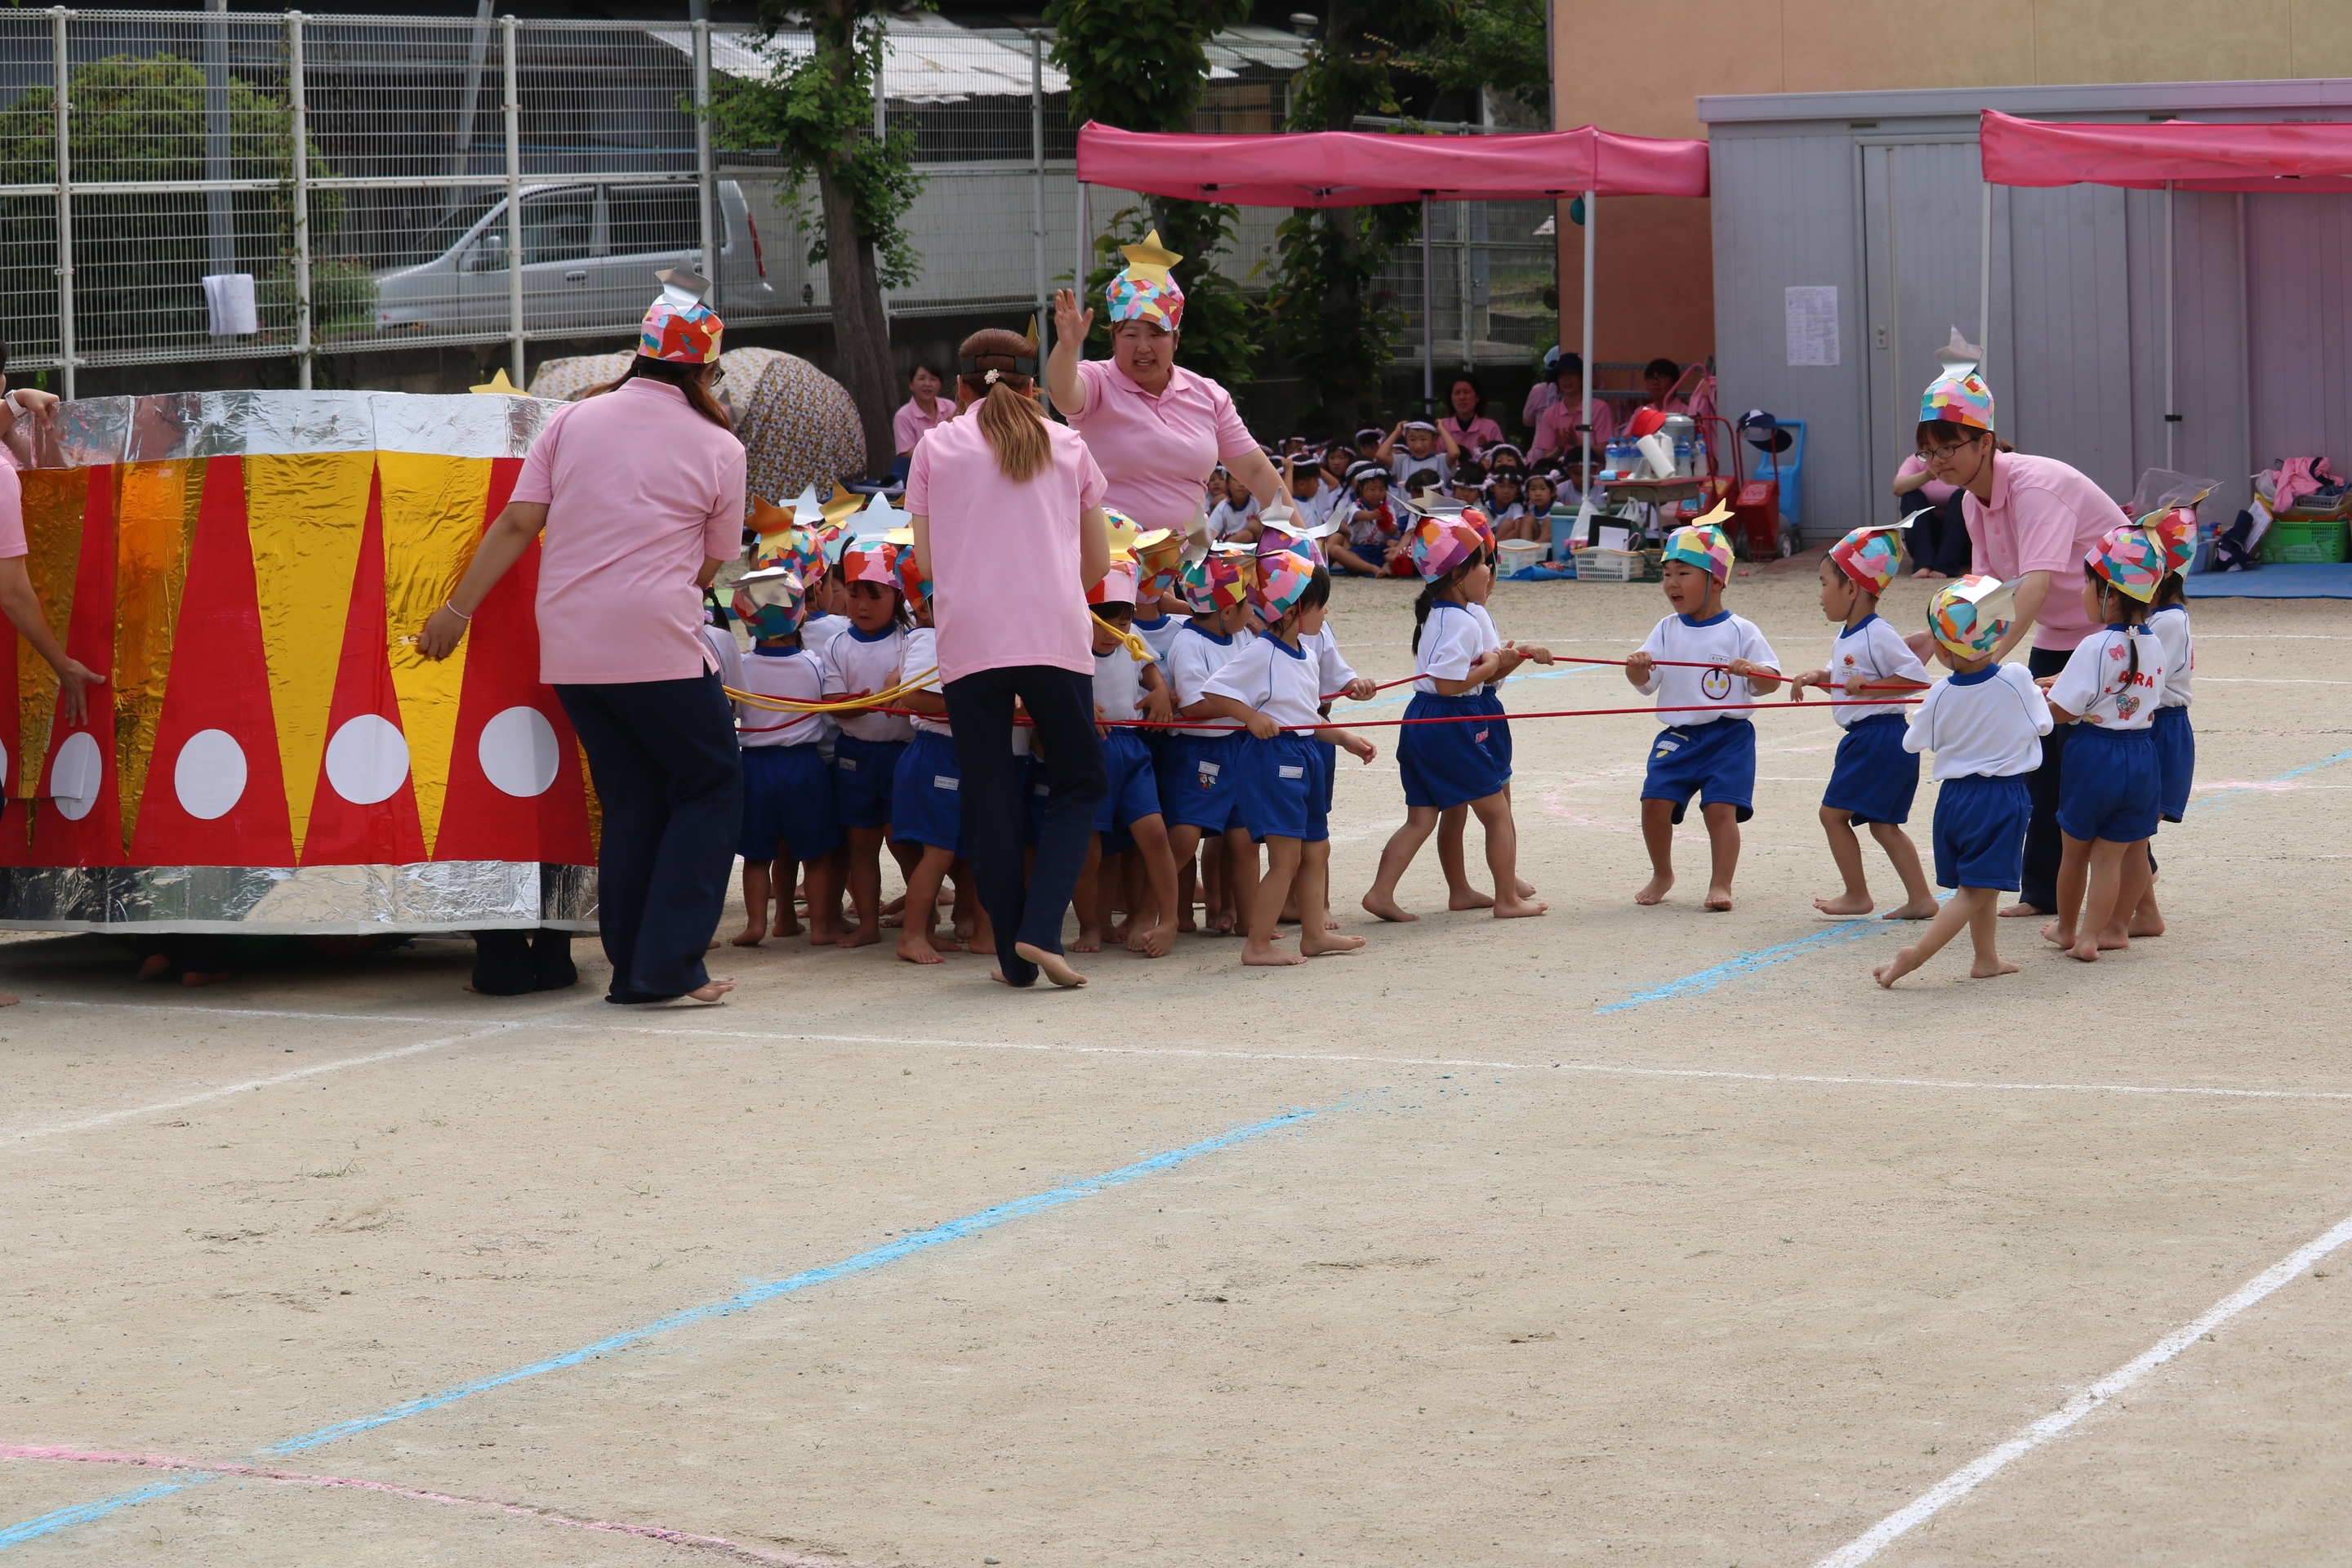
2171, 315
1078, 272
1584, 418
1984, 282
1428, 325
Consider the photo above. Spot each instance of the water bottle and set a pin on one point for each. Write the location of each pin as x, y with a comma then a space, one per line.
1624, 457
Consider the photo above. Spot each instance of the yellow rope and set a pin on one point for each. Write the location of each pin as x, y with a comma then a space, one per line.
847, 704
1137, 648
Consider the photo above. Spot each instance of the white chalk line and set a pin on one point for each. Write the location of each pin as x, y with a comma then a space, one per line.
1966, 1479
87, 1122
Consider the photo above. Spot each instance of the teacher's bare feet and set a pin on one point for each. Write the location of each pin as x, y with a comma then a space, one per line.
1053, 965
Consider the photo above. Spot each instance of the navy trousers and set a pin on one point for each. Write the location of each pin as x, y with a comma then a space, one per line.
663, 756
1061, 704
2044, 844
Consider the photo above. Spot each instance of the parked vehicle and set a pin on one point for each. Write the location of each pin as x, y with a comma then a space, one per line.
589, 251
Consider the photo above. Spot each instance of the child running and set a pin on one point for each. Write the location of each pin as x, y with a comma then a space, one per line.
788, 810
1275, 687
1706, 746
1876, 775
1985, 722
1127, 689
868, 657
2110, 797
1450, 762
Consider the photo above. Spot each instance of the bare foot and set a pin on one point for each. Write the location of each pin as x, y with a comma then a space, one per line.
1268, 955
154, 966
1916, 910
1388, 908
1847, 904
1121, 933
9, 999
1185, 924
1469, 898
1519, 908
1527, 888
712, 992
1313, 945
2147, 925
2088, 952
1999, 966
1654, 889
1222, 923
1289, 916
2022, 912
998, 976
2059, 932
2114, 940
712, 946
1056, 968
789, 926
893, 922
1719, 900
189, 977
864, 936
1905, 960
1087, 942
915, 948
1152, 941
753, 934
824, 936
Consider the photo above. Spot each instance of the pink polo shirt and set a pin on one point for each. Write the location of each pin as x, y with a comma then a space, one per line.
1004, 557
639, 490
1156, 452
1556, 426
12, 514
910, 425
2044, 517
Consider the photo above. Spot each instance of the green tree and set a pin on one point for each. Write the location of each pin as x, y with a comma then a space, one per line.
1140, 65
817, 110
138, 258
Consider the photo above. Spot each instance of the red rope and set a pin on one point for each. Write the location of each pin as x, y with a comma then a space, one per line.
1446, 718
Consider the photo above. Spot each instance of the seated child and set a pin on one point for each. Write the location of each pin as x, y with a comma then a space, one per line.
1367, 542
1414, 447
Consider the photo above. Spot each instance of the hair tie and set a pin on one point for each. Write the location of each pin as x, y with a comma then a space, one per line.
991, 377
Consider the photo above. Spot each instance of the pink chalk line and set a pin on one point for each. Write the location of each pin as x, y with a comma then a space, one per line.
711, 1543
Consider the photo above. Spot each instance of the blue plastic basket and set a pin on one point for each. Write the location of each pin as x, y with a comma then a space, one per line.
1789, 468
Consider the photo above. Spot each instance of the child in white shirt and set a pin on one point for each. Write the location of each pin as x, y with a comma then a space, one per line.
1195, 764
868, 657
1126, 689
1706, 746
2176, 742
788, 809
1234, 517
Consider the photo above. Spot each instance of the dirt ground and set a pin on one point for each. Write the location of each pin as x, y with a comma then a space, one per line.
1622, 1235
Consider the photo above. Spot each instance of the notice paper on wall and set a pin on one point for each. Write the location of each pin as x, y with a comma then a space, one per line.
1813, 324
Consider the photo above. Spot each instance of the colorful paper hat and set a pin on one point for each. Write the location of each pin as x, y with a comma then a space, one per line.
1970, 615
1282, 578
1703, 544
1870, 556
2178, 529
1214, 582
871, 561
2132, 559
1123, 534
678, 327
1117, 585
771, 602
835, 540
1145, 291
1439, 544
1159, 556
1958, 394
1477, 517
795, 550
913, 581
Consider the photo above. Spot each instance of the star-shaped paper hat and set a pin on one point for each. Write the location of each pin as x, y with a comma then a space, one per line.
1958, 394
797, 550
770, 601
1282, 578
2168, 502
1703, 544
1145, 291
678, 327
2132, 559
1870, 556
1971, 614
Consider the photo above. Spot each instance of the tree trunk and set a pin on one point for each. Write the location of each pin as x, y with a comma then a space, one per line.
861, 338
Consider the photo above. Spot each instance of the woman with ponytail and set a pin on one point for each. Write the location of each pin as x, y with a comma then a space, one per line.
1007, 513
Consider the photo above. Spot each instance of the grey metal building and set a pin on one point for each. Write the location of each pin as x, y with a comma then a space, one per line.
1877, 195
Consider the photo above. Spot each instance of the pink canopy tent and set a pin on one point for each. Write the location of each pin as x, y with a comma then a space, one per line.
1354, 168
2167, 156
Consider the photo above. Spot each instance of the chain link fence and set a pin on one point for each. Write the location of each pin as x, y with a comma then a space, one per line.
219, 185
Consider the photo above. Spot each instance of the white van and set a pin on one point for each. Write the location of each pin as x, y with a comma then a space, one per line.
589, 251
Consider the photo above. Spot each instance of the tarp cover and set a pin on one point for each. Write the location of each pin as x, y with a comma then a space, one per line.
2193, 155
1358, 168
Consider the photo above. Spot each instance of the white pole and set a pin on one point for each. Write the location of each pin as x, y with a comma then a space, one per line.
1428, 326
1984, 282
1037, 193
1078, 273
514, 196
2171, 413
706, 176
1584, 420
297, 111
61, 79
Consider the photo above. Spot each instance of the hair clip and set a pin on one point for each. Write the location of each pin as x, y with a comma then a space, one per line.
991, 377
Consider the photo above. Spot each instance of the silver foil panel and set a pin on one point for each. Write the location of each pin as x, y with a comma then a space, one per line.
299, 900
100, 431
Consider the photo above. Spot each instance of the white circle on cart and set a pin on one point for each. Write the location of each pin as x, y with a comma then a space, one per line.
367, 759
209, 777
76, 774
519, 751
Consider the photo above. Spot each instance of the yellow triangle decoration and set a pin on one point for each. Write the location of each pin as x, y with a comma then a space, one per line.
500, 386
432, 520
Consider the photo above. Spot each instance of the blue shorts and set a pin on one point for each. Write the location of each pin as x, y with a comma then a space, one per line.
1499, 739
927, 798
1446, 765
1980, 831
1134, 789
2176, 762
1874, 777
1280, 792
1717, 762
1197, 779
787, 804
2109, 786
1330, 774
863, 773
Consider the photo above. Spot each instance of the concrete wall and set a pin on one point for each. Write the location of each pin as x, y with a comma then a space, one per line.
1641, 72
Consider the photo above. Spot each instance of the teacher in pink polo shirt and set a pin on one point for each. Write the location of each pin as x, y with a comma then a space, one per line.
638, 490
2031, 520
1157, 430
1007, 512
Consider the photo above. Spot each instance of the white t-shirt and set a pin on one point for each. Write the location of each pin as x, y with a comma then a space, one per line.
1312, 509
1404, 465
2098, 687
1158, 634
1278, 680
1494, 638
1990, 723
1452, 641
923, 652
1226, 520
1332, 671
1118, 684
1193, 660
730, 657
2170, 626
785, 672
1687, 697
1876, 652
817, 633
855, 664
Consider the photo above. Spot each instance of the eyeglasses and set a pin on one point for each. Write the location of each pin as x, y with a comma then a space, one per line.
1945, 454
